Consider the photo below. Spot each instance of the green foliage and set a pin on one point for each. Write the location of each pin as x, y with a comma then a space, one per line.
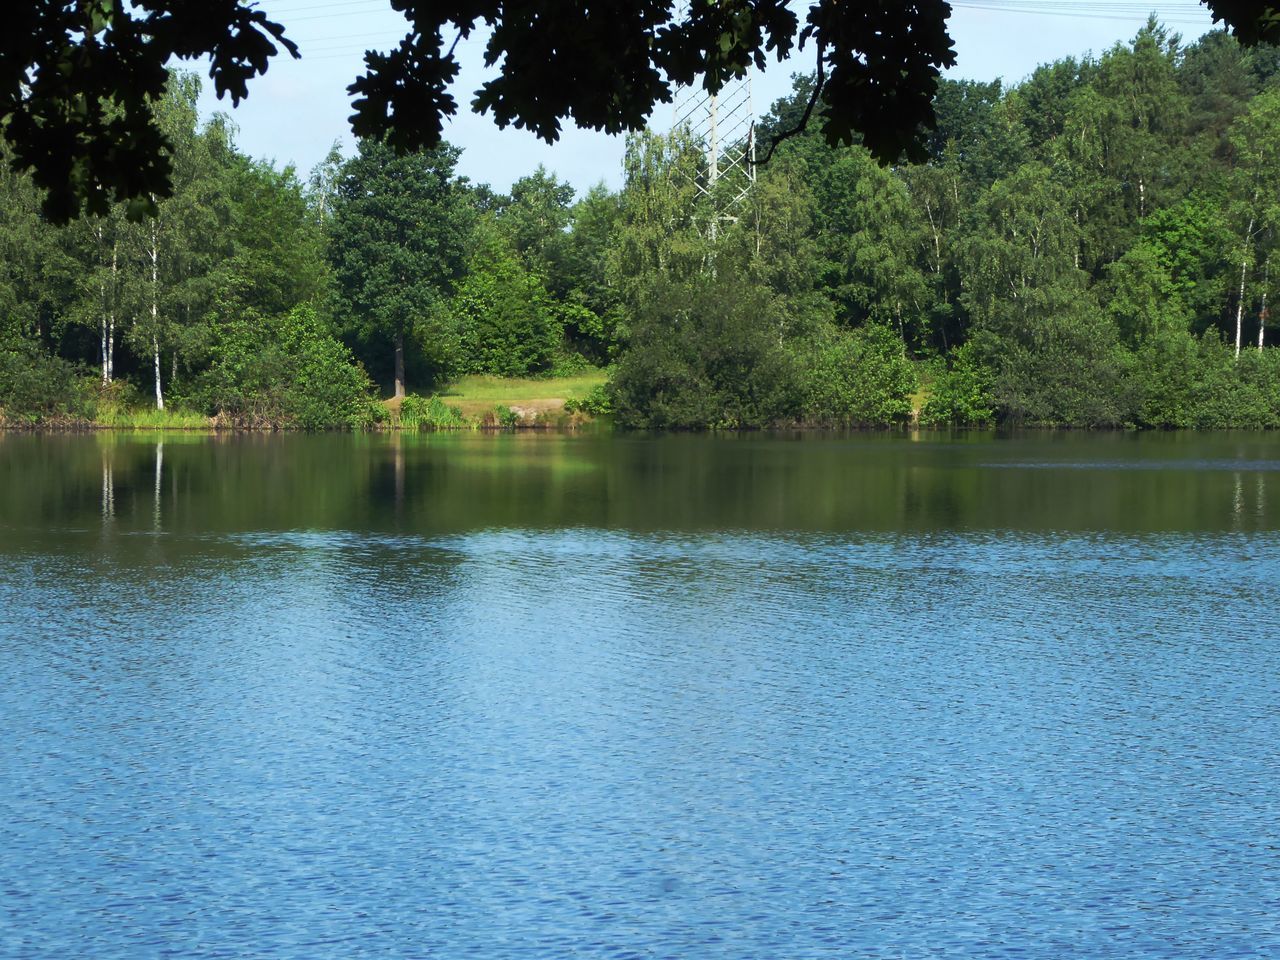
505, 318
1073, 371
597, 403
505, 417
962, 393
706, 353
1193, 243
1142, 298
430, 413
568, 364
36, 387
289, 371
1186, 381
397, 236
870, 244
1092, 246
858, 378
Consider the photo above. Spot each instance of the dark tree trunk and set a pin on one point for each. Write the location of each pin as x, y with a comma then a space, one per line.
399, 366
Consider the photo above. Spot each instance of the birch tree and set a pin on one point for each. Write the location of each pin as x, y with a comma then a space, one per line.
1255, 189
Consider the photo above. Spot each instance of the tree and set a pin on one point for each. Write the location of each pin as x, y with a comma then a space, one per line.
76, 76
507, 322
662, 226
585, 268
1255, 187
35, 272
398, 232
78, 79
1141, 298
1193, 242
176, 251
872, 245
536, 219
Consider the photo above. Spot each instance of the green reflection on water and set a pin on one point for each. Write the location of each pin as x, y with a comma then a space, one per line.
444, 483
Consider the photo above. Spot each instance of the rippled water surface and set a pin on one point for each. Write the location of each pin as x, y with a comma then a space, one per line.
475, 696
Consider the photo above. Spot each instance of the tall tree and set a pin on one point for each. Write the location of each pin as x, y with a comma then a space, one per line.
177, 250
397, 237
1255, 189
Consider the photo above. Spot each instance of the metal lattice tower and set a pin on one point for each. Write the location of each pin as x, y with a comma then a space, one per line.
723, 124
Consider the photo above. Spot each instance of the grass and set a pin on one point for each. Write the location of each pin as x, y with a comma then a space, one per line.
150, 419
919, 398
478, 394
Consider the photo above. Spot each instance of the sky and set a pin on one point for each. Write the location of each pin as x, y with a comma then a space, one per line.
298, 109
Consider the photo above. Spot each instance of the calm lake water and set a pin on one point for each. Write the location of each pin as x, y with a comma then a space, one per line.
685, 697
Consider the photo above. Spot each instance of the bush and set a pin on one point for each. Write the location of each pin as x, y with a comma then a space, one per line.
1187, 382
291, 372
706, 352
859, 378
568, 364
1165, 374
1227, 392
597, 403
37, 387
962, 393
1070, 370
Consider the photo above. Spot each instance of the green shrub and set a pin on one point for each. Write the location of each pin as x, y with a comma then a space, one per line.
1070, 369
597, 403
37, 387
1184, 381
429, 413
859, 378
962, 393
1165, 375
289, 372
568, 364
706, 352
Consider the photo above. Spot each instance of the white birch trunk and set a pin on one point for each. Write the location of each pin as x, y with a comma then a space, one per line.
1262, 313
1244, 265
111, 313
155, 312
155, 344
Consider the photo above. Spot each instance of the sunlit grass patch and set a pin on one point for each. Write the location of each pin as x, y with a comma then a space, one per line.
118, 419
478, 394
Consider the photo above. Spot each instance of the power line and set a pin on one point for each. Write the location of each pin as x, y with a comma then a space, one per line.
1180, 14
272, 10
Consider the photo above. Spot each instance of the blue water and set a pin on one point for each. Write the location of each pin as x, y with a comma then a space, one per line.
608, 742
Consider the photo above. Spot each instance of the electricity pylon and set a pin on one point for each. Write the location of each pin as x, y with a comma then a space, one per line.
723, 124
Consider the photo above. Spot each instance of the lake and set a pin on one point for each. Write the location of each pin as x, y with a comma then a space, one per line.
624, 696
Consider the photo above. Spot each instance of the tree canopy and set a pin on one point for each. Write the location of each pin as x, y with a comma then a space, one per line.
77, 76
1091, 246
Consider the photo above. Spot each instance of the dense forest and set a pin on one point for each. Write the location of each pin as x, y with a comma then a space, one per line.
1090, 247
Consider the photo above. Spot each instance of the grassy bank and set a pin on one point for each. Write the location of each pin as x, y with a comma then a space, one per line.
477, 395
151, 420
472, 402
480, 402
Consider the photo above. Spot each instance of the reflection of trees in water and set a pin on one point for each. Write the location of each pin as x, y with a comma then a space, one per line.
108, 488
429, 484
159, 477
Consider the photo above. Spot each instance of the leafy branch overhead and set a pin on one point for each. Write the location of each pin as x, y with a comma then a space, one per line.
77, 76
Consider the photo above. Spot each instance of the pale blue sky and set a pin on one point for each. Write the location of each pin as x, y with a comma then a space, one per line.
299, 108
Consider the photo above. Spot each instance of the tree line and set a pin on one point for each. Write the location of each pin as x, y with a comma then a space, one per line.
1090, 247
